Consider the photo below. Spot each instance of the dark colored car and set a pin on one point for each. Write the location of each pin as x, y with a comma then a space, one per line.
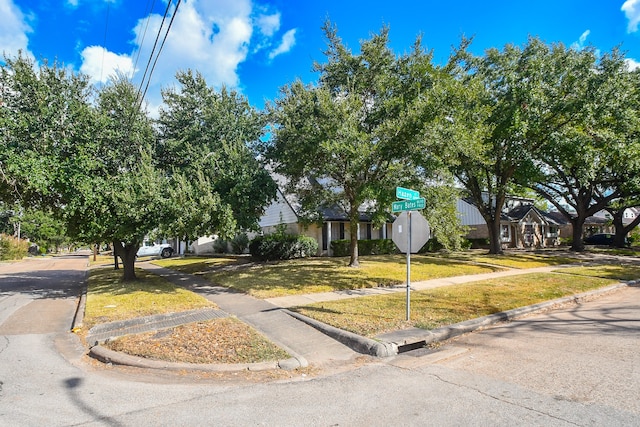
602, 239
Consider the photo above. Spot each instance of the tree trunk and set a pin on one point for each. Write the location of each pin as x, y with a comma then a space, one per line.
495, 240
127, 254
621, 229
578, 224
354, 219
116, 266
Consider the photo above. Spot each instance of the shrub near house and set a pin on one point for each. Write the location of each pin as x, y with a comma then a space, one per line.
365, 247
12, 248
282, 246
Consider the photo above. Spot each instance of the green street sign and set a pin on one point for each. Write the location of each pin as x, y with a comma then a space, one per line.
408, 205
407, 194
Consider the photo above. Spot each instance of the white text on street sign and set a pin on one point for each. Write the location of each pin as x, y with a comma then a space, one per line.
408, 205
406, 193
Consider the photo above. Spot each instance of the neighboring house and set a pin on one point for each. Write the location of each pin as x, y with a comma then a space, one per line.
283, 212
522, 225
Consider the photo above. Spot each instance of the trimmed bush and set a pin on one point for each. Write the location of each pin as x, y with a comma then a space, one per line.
365, 247
482, 243
12, 248
239, 243
274, 247
219, 246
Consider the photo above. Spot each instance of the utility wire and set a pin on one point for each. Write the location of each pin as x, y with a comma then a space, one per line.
166, 34
139, 96
142, 35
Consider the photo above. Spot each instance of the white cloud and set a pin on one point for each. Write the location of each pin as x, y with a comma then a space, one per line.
632, 64
213, 38
268, 24
631, 9
13, 31
579, 45
100, 64
287, 43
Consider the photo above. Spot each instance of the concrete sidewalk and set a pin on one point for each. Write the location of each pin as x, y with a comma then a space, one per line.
310, 341
305, 343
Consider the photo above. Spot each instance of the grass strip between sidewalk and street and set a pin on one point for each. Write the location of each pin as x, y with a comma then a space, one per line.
430, 309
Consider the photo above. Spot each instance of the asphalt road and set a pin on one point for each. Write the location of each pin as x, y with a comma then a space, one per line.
576, 366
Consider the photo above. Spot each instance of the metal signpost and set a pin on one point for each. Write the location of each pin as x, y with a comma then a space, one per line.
408, 223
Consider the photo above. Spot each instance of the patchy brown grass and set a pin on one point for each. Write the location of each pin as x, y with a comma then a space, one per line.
217, 341
373, 315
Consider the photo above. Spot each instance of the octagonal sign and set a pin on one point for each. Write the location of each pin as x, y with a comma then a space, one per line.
420, 231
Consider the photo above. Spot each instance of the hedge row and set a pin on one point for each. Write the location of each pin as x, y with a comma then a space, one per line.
365, 247
277, 246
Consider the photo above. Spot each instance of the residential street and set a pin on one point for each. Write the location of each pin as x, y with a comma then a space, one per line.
574, 366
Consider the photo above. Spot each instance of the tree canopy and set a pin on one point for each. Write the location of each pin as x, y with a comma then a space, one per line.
348, 141
207, 137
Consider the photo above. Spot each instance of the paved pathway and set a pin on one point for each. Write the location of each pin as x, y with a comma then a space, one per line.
302, 341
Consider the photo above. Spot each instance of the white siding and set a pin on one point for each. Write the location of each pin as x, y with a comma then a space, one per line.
469, 214
279, 212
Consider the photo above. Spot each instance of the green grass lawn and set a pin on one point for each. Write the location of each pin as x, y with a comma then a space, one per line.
109, 299
612, 271
514, 260
323, 274
373, 315
332, 274
200, 265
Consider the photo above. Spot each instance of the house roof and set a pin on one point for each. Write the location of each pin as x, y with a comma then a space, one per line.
520, 212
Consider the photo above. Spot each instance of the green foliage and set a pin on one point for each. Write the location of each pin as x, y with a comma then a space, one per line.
341, 248
480, 243
240, 243
220, 245
12, 248
206, 137
634, 236
278, 247
46, 123
44, 229
349, 139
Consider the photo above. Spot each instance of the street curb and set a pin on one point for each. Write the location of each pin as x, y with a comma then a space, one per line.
356, 342
117, 358
415, 336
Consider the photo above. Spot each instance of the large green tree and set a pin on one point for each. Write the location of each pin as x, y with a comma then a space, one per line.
45, 116
588, 152
350, 139
488, 136
114, 193
207, 136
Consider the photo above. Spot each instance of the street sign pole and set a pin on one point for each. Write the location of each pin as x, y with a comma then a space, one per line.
408, 265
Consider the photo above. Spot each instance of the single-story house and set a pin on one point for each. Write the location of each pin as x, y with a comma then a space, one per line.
522, 225
335, 223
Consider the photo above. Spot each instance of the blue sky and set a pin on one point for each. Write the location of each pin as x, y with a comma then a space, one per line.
259, 46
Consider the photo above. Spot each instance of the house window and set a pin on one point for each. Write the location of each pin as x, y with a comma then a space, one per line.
553, 231
505, 233
342, 231
368, 231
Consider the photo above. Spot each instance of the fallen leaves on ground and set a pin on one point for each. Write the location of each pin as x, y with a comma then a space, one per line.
225, 340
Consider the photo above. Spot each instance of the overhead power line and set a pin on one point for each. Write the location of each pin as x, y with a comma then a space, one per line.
143, 34
153, 56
